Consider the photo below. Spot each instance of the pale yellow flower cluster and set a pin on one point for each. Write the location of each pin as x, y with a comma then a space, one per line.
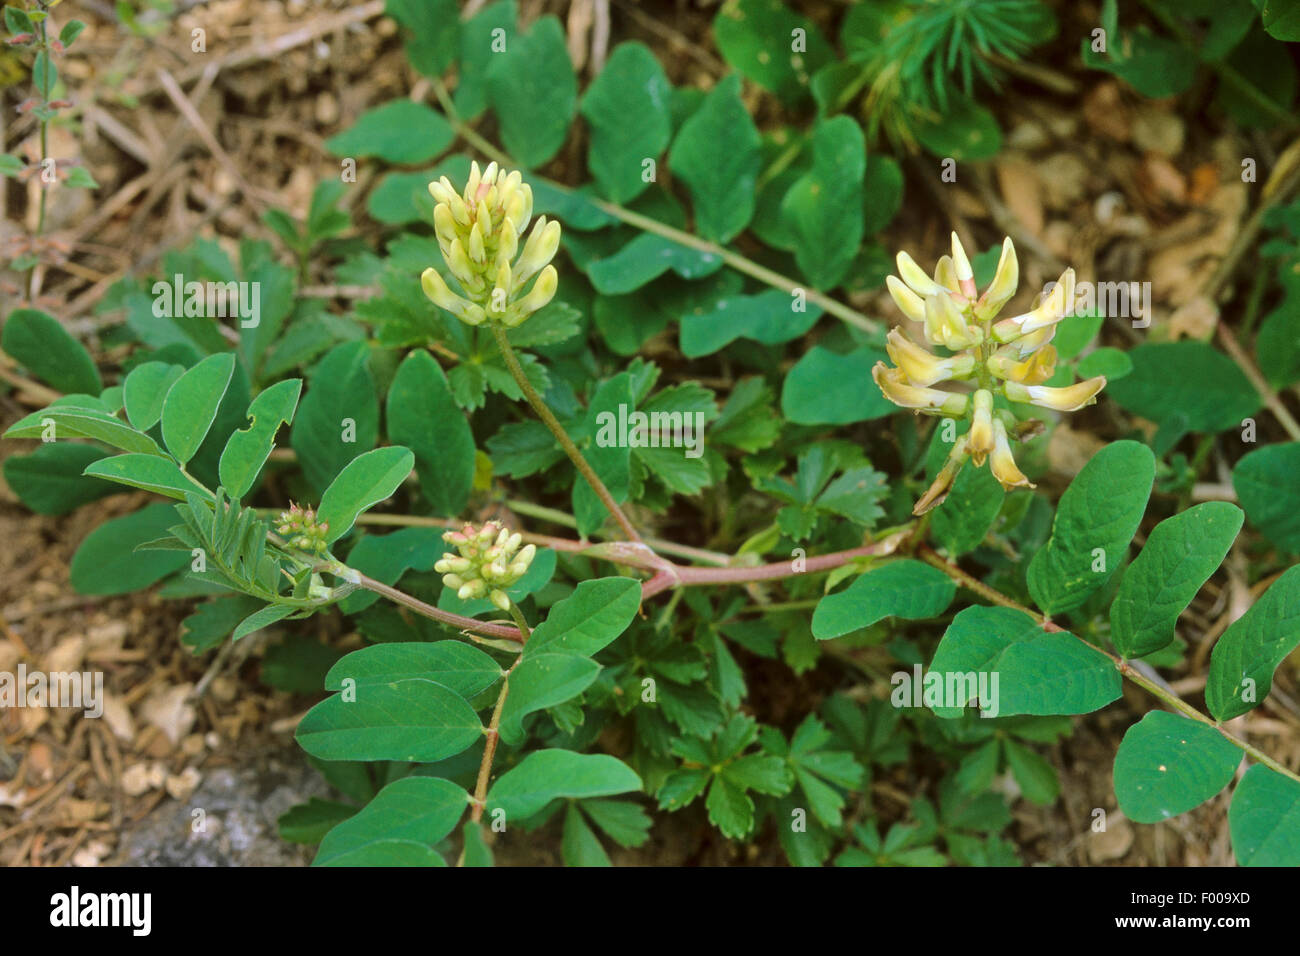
486, 561
478, 233
1011, 357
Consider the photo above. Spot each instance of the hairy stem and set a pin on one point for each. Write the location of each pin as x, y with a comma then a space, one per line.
551, 422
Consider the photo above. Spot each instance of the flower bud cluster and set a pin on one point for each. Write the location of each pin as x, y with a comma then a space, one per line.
487, 560
301, 529
479, 233
1011, 357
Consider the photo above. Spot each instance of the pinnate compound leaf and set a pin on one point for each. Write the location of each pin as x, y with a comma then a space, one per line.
1167, 764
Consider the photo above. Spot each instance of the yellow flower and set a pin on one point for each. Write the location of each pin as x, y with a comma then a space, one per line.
1001, 462
895, 386
1068, 399
1011, 358
478, 233
922, 367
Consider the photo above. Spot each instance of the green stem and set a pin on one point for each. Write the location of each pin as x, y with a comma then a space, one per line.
551, 422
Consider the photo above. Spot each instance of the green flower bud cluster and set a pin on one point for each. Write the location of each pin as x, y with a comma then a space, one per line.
487, 560
301, 529
478, 233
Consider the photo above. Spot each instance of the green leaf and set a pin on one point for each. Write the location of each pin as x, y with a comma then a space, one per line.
1188, 379
770, 317
1167, 764
626, 107
722, 182
534, 93
1155, 66
1264, 819
588, 620
1265, 484
309, 822
645, 259
50, 480
17, 21
150, 472
966, 131
339, 405
423, 415
1106, 361
213, 621
454, 664
611, 460
827, 388
1180, 555
191, 404
578, 844
824, 206
772, 46
1036, 777
248, 449
414, 809
430, 33
391, 853
264, 618
547, 775
144, 390
71, 421
1031, 671
1250, 650
963, 520
409, 720
364, 482
479, 45
106, 562
1095, 521
542, 681
401, 131
40, 344
71, 30
1282, 21
903, 588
